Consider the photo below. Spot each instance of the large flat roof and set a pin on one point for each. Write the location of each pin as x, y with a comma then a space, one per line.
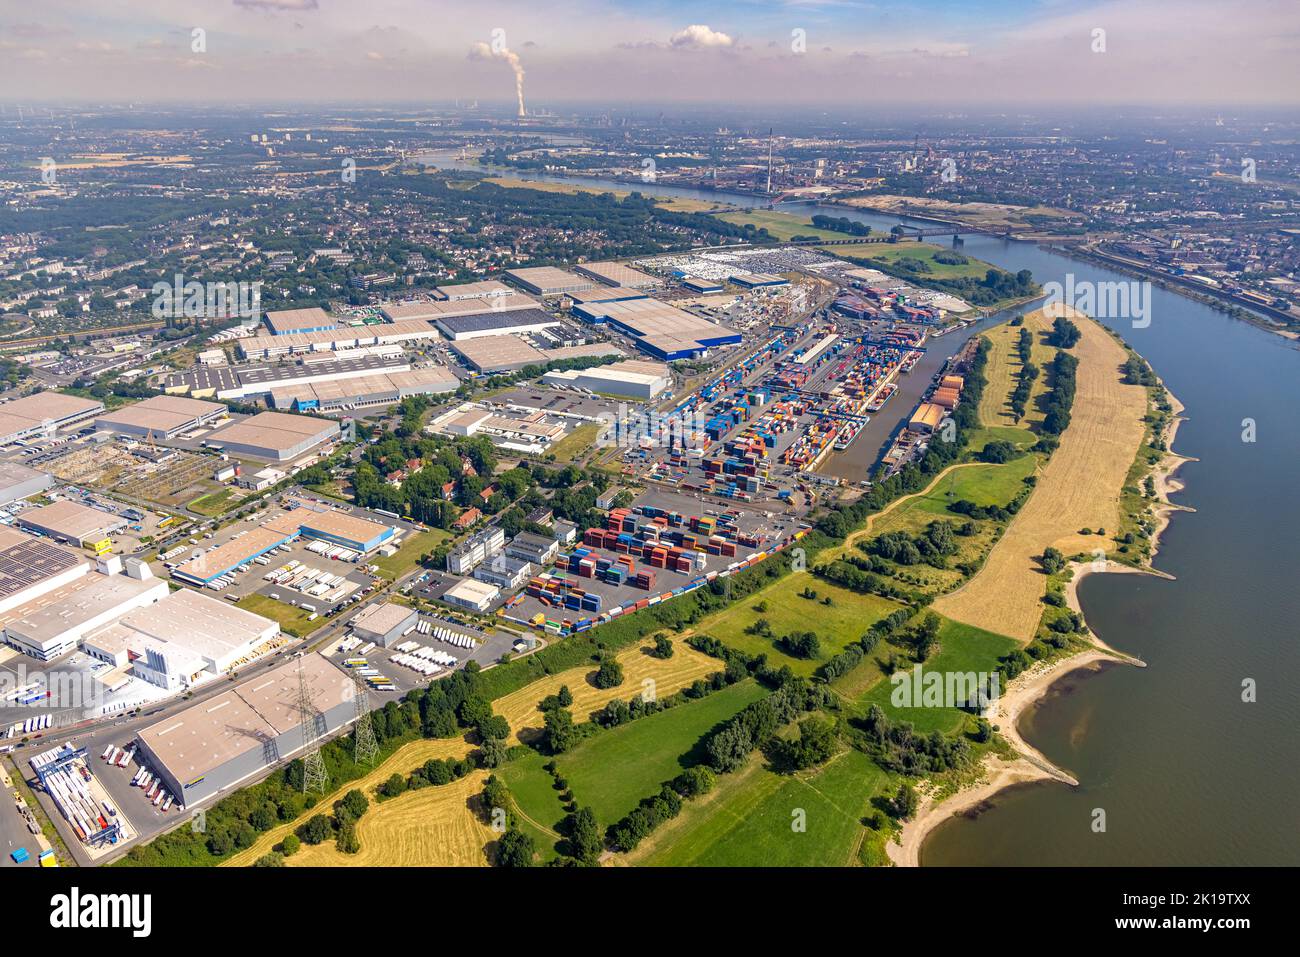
27, 561
549, 278
382, 618
19, 415
275, 430
50, 615
446, 308
194, 622
161, 413
15, 473
294, 320
234, 552
333, 522
71, 520
493, 352
455, 325
473, 290
246, 718
618, 274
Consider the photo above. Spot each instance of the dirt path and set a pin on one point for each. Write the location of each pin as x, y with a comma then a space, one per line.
1079, 488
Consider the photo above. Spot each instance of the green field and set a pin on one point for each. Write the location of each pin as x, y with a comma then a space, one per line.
536, 800
787, 611
980, 437
576, 443
749, 821
214, 503
408, 555
781, 225
983, 484
962, 648
923, 252
612, 771
293, 621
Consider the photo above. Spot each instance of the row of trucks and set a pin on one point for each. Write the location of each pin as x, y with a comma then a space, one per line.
373, 678
309, 581
151, 784
71, 792
426, 661
334, 552
453, 638
41, 722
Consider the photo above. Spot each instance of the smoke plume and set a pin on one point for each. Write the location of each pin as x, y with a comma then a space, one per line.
481, 51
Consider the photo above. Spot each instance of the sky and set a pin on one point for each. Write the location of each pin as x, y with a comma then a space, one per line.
845, 53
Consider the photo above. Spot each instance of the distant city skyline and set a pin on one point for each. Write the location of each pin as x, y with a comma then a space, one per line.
799, 52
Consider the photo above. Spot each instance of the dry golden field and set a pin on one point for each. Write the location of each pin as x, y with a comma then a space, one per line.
431, 827
1003, 372
1079, 488
682, 669
403, 761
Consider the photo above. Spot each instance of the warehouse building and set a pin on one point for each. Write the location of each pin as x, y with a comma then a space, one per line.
547, 280
618, 274
18, 481
459, 328
285, 322
188, 638
263, 379
31, 567
384, 623
632, 379
222, 741
607, 294
926, 418
274, 436
755, 280
71, 522
365, 392
57, 622
660, 329
398, 313
473, 290
476, 596
160, 417
205, 567
42, 414
701, 286
494, 354
339, 528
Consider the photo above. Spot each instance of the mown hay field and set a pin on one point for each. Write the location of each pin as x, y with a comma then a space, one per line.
431, 827
1079, 488
1003, 372
402, 761
685, 667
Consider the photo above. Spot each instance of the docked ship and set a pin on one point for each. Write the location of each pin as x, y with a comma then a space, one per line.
884, 395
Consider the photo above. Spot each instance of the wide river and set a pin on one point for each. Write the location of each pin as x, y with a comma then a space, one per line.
1186, 771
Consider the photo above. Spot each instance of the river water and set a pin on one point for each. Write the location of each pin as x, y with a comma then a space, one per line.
1184, 770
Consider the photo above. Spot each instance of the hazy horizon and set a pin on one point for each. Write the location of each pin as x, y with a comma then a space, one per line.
832, 54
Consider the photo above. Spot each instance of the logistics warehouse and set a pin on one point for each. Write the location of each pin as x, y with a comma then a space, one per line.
358, 534
219, 742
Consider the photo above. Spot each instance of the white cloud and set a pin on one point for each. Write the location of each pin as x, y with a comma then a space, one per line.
700, 37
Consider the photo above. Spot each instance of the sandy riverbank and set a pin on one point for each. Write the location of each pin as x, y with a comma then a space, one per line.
1029, 766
